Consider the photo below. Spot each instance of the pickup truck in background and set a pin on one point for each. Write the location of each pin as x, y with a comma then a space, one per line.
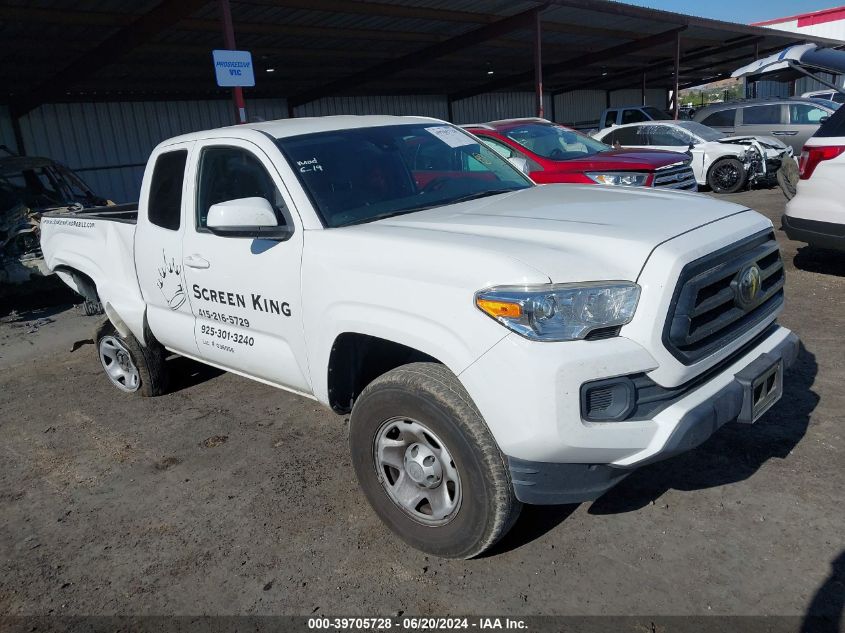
496, 342
622, 115
552, 153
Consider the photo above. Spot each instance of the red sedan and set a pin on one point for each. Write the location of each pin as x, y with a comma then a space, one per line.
553, 153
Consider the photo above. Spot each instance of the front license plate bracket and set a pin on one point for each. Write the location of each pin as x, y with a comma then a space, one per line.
762, 386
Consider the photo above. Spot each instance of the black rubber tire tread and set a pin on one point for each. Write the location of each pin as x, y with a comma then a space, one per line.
434, 384
734, 188
148, 359
787, 177
92, 308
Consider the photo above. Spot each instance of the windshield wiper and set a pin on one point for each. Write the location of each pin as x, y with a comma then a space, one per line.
480, 194
442, 203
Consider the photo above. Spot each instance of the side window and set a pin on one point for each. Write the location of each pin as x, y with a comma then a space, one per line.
803, 114
165, 200
633, 116
722, 118
630, 136
609, 118
230, 173
667, 136
761, 115
500, 148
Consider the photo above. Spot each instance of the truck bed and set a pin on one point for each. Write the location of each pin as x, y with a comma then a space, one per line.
92, 250
116, 213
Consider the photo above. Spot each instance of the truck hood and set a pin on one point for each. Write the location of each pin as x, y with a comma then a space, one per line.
566, 232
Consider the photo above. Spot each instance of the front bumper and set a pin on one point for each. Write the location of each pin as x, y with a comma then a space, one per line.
546, 483
814, 232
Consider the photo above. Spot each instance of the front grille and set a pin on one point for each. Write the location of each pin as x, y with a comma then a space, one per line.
675, 177
710, 308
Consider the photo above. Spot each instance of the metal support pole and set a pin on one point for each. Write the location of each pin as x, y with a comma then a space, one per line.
538, 63
229, 43
14, 115
643, 91
675, 85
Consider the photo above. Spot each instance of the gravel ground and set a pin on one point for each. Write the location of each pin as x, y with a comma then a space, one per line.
230, 497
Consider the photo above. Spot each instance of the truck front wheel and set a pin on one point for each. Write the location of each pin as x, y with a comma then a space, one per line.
428, 464
726, 176
129, 366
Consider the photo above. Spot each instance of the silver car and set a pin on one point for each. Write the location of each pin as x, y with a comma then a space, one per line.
792, 120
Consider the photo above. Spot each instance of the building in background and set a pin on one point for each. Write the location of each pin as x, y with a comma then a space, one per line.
829, 23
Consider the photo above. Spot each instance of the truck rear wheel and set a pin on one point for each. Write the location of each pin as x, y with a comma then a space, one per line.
428, 464
129, 366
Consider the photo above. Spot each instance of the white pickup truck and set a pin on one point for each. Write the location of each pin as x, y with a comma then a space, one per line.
496, 342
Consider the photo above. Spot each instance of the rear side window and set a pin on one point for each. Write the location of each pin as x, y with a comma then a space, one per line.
165, 202
834, 126
609, 118
722, 118
761, 115
633, 116
803, 114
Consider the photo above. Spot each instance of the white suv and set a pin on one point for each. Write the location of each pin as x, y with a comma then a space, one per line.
816, 214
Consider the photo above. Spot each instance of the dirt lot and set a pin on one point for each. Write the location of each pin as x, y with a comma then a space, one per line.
230, 497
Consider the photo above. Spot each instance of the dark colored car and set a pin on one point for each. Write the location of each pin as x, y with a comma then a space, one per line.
556, 154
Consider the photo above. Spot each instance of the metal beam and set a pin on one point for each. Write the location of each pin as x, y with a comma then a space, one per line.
522, 20
538, 64
576, 62
141, 30
676, 76
689, 57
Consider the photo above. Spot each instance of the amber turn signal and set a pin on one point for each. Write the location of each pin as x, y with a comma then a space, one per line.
498, 309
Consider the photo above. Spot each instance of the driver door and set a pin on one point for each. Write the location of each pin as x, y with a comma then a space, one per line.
245, 293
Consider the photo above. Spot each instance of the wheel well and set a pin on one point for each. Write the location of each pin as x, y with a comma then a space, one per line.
358, 359
83, 284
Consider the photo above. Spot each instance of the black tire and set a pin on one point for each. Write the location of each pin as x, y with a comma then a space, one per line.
430, 394
149, 361
726, 176
92, 308
788, 177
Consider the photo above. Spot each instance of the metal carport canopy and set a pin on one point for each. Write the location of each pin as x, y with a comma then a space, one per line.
110, 50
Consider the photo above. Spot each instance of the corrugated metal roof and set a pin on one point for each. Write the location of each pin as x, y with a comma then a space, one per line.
314, 42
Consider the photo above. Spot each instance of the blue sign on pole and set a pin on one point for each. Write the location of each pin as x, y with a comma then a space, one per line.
233, 68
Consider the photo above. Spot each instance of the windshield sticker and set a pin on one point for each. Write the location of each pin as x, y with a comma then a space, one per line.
306, 166
451, 136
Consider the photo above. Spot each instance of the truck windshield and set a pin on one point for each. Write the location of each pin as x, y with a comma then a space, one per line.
363, 174
555, 142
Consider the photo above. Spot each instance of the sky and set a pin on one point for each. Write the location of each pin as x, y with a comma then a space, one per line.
742, 11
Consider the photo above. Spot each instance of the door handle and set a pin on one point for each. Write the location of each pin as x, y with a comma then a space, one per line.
785, 133
195, 261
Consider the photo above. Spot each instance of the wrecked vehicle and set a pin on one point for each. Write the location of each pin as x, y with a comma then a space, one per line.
725, 164
30, 186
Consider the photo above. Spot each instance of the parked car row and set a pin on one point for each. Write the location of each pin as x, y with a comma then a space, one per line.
816, 213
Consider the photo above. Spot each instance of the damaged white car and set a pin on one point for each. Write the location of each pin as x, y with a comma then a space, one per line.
725, 164
29, 186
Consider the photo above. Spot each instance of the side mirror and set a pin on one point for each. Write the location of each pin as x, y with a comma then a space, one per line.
824, 118
246, 217
520, 163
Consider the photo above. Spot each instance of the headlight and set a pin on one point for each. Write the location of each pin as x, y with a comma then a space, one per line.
625, 178
560, 312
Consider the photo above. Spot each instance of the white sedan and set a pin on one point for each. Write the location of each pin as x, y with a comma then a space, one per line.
725, 164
